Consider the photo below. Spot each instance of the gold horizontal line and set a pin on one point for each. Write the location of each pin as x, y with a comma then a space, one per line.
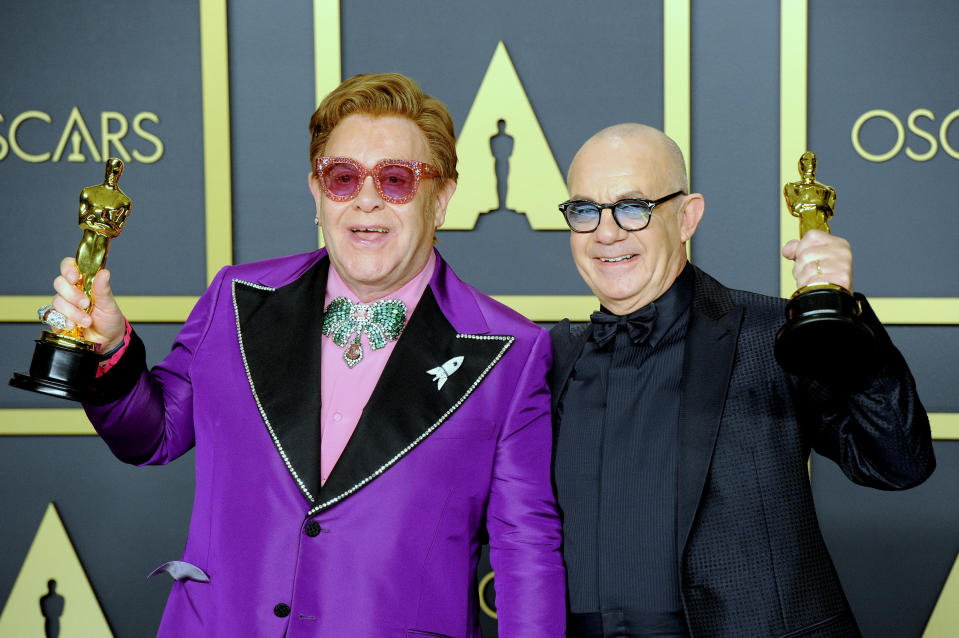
945, 425
73, 421
40, 422
551, 308
548, 308
23, 309
920, 311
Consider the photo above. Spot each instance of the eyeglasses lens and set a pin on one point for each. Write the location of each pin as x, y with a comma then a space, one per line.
396, 181
341, 179
632, 215
582, 216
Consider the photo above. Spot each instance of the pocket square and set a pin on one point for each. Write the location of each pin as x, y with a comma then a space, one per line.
181, 570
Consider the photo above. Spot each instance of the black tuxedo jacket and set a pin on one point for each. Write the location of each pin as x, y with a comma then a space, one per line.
752, 558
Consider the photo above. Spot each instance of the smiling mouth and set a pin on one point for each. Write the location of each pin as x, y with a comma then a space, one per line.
369, 229
611, 260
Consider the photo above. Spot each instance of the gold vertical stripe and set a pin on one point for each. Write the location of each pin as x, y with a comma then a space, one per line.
676, 109
793, 58
326, 46
215, 71
676, 22
327, 64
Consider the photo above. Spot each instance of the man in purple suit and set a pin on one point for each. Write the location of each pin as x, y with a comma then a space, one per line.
362, 418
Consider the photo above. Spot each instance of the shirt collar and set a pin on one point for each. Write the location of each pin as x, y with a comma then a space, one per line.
409, 293
670, 306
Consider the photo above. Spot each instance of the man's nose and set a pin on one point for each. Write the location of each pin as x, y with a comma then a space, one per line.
368, 199
608, 230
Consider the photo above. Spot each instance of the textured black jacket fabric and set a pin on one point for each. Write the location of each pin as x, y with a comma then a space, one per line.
752, 557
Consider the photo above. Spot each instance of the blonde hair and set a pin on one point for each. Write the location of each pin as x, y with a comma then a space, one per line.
379, 94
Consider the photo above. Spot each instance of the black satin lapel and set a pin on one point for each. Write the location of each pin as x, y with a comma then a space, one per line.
406, 405
708, 363
279, 332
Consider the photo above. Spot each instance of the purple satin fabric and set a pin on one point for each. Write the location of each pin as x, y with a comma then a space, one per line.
399, 555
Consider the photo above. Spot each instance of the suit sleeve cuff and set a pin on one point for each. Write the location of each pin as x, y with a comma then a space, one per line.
870, 318
889, 358
109, 359
123, 371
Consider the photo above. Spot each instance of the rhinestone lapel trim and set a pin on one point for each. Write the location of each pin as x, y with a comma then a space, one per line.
266, 419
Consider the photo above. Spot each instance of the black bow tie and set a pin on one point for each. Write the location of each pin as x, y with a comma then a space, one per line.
639, 325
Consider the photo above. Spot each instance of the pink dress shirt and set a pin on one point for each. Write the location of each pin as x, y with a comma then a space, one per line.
344, 391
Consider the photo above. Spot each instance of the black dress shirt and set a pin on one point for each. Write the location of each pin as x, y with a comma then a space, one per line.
615, 467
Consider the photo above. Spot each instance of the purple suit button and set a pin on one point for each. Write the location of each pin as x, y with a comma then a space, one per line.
313, 529
282, 610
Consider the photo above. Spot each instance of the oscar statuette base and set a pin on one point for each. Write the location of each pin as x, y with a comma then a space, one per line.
825, 338
62, 367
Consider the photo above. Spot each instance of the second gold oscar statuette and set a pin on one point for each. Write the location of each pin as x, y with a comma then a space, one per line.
824, 336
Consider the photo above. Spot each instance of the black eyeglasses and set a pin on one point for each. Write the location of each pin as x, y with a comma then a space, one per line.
583, 215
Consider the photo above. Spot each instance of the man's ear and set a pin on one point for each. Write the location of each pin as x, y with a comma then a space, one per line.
441, 200
693, 207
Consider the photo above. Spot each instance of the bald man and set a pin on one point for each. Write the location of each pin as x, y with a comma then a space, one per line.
680, 445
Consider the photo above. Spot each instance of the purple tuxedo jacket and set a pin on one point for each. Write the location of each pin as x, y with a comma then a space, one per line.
388, 546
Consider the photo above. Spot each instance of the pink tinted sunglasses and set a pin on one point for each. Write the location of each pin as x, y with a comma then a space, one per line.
341, 178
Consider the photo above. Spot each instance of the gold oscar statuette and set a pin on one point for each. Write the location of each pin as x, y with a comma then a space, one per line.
824, 336
64, 363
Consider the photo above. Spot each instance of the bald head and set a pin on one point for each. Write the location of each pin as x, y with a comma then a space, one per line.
662, 157
627, 269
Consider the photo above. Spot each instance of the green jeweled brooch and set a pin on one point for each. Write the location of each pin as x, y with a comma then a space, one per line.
344, 322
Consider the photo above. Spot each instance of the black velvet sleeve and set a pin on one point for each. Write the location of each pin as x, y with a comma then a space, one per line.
877, 430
